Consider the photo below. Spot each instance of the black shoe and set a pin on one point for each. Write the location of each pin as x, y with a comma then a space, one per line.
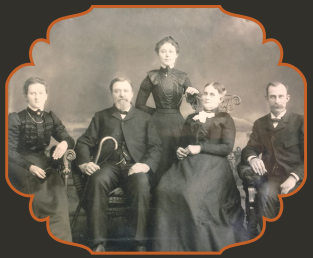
98, 248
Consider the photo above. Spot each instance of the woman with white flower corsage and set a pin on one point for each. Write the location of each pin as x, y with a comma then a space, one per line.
198, 205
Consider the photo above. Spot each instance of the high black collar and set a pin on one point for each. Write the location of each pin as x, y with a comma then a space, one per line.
38, 112
165, 70
215, 110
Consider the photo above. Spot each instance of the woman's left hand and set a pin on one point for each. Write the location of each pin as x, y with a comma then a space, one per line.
193, 149
60, 150
191, 90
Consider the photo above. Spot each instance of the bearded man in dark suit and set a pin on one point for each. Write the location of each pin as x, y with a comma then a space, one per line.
132, 165
279, 137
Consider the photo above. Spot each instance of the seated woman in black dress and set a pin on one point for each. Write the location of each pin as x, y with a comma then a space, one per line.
198, 204
30, 171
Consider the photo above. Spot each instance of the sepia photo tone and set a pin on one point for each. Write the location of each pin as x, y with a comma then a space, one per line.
85, 53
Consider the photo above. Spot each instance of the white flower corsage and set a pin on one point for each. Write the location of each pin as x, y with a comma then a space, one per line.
203, 116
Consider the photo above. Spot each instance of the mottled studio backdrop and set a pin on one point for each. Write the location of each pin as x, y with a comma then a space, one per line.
87, 52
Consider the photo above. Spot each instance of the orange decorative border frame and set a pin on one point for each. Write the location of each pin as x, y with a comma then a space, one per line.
280, 63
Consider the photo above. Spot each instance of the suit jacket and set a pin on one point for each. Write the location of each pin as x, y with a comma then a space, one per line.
283, 144
142, 140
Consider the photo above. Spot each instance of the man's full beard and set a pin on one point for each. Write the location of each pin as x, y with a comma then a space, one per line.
122, 104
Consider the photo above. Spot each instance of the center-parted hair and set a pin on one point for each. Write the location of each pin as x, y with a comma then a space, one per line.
120, 79
33, 80
166, 40
218, 86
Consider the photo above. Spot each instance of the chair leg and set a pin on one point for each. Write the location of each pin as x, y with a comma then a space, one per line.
251, 214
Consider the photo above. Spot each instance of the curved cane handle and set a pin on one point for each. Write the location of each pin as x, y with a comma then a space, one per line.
68, 156
100, 146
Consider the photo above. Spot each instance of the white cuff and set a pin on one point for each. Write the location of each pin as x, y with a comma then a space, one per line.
296, 176
250, 157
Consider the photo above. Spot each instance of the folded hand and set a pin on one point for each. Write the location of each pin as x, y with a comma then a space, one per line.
191, 90
193, 149
138, 168
37, 171
60, 150
89, 168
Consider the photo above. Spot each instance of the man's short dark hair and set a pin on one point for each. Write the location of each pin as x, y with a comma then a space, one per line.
275, 84
33, 80
120, 79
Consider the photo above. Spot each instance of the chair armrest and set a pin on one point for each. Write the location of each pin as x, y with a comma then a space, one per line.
247, 174
68, 156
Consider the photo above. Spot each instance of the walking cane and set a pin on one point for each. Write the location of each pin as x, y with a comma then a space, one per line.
95, 161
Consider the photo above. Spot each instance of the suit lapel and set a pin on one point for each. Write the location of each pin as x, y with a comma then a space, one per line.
269, 122
131, 114
282, 122
114, 112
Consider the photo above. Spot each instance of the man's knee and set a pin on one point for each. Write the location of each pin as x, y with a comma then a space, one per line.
139, 182
102, 178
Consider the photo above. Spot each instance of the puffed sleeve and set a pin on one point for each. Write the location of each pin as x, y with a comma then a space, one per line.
14, 137
143, 95
193, 100
227, 139
59, 132
186, 84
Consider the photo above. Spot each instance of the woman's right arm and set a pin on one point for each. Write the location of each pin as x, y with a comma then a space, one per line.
13, 140
143, 95
227, 140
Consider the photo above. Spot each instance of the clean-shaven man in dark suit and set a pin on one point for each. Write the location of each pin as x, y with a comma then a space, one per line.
279, 137
132, 165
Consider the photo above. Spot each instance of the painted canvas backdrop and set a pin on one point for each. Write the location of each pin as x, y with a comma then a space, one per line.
85, 53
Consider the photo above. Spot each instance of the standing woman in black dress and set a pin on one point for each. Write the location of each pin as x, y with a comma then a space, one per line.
167, 86
30, 171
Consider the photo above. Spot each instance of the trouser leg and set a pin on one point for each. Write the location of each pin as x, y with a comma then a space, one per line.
267, 196
138, 191
100, 184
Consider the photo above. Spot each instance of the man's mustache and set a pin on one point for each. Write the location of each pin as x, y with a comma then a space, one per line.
278, 106
122, 99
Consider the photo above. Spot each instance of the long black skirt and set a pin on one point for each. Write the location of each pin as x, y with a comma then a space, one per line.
50, 194
168, 124
198, 206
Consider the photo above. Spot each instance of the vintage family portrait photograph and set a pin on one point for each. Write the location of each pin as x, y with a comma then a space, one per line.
156, 129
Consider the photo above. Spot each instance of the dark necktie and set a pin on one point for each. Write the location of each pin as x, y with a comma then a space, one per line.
123, 112
275, 120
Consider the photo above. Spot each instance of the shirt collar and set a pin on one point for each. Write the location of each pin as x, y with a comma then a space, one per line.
280, 116
170, 66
